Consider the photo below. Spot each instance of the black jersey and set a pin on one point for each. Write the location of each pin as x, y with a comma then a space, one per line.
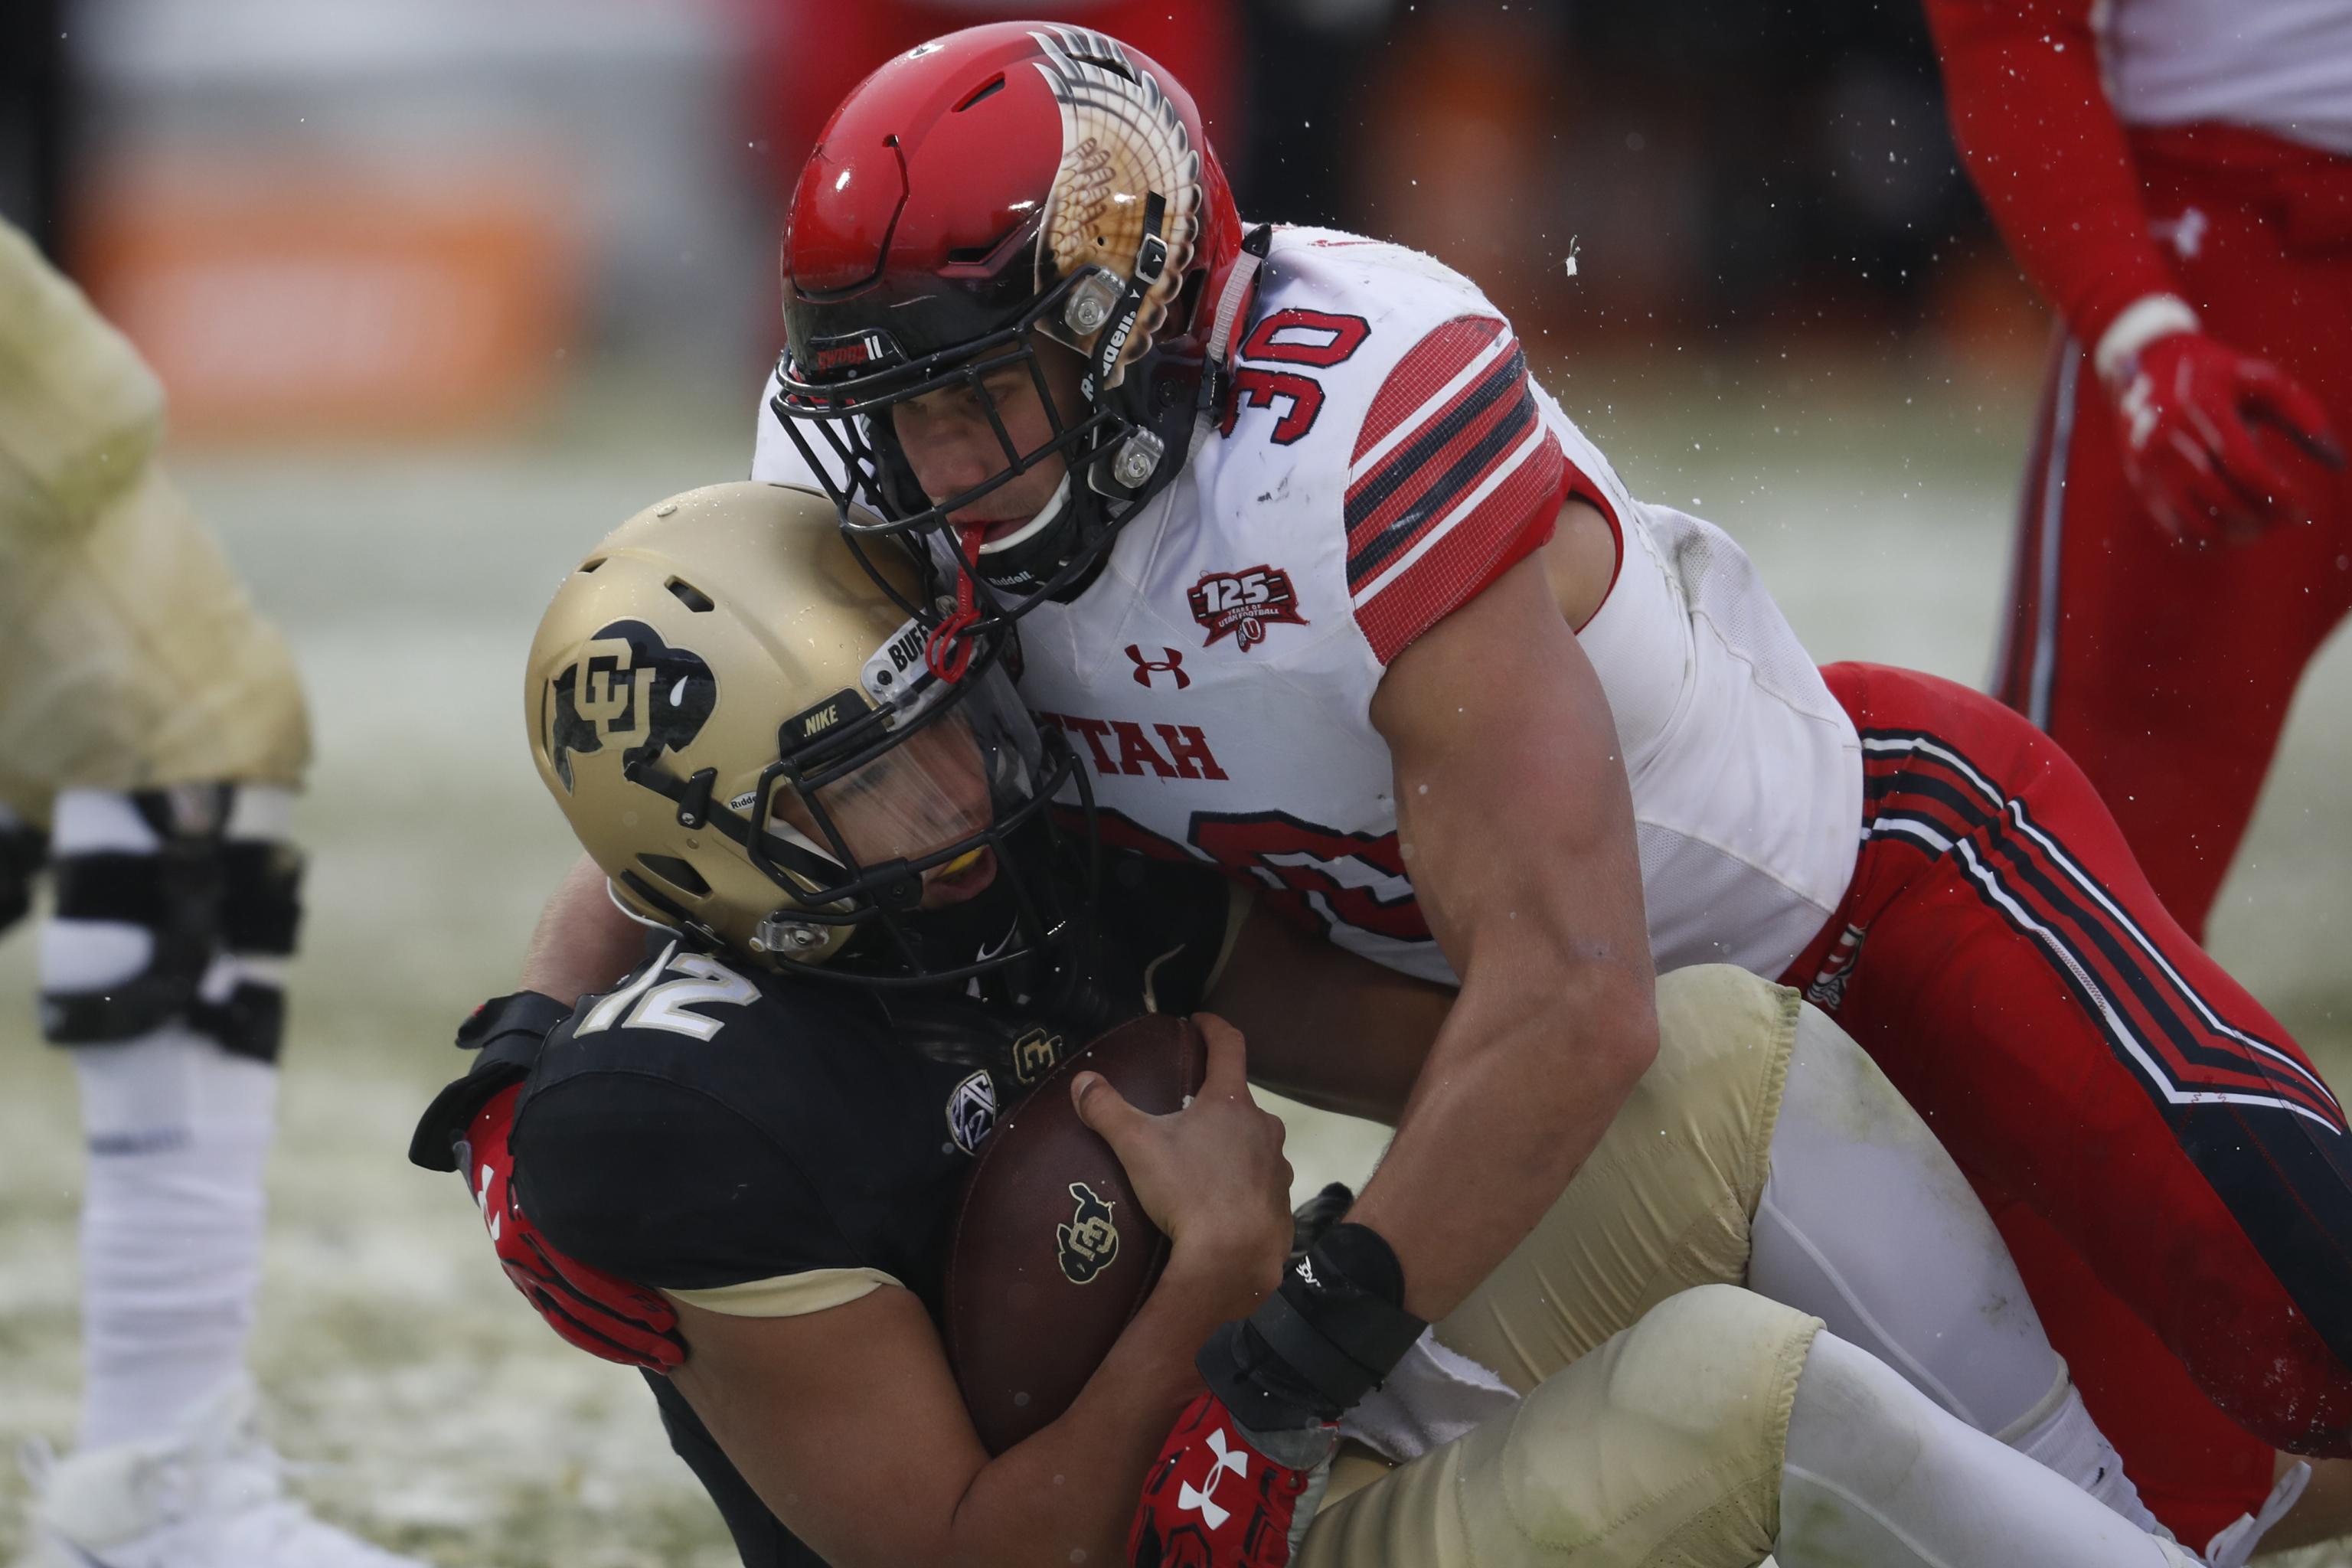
765, 1143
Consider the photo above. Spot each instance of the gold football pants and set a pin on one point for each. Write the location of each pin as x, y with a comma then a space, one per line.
129, 657
1656, 1399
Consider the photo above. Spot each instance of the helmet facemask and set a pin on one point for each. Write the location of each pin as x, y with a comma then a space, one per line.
918, 823
827, 803
1118, 448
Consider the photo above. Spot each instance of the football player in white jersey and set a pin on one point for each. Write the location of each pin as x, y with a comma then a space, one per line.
1335, 597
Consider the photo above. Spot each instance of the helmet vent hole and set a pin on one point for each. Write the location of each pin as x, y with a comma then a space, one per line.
1104, 62
677, 873
588, 566
978, 255
687, 594
994, 85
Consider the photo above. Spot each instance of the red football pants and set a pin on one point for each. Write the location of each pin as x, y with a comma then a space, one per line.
2163, 668
2176, 1179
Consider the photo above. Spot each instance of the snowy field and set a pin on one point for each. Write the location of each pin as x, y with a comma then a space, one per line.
435, 1411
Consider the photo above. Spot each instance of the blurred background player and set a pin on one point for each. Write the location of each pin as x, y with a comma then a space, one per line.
2176, 178
151, 735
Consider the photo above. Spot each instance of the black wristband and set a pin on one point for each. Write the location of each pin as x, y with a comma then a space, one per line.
508, 1032
1326, 1338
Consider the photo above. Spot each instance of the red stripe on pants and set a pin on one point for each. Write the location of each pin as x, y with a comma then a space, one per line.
2168, 668
1993, 991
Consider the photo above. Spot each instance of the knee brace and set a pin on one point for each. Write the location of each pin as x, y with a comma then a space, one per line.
23, 850
160, 895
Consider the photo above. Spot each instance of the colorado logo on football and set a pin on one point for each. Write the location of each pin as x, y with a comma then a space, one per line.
1090, 1241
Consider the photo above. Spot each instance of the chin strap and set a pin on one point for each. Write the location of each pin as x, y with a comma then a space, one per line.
949, 653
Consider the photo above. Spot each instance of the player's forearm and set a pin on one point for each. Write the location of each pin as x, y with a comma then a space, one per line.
583, 943
1073, 1486
1527, 1073
2046, 151
1325, 1026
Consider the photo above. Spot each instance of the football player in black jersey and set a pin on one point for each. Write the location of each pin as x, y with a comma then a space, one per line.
735, 1167
867, 940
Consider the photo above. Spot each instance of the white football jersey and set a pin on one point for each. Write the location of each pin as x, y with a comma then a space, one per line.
2281, 66
1385, 457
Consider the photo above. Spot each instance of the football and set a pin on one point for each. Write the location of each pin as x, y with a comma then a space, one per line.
1051, 1254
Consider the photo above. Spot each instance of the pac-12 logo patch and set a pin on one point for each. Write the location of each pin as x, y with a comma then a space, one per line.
1242, 604
971, 1112
1090, 1241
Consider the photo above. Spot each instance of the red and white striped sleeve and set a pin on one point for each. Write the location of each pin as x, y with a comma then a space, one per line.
1455, 477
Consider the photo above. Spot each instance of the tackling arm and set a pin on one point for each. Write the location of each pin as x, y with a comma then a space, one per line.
1516, 817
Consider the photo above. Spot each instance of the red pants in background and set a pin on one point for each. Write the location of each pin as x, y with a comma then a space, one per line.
2175, 1178
2164, 669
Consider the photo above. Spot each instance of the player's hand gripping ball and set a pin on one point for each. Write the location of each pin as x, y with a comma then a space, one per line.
1052, 1254
601, 1314
2193, 415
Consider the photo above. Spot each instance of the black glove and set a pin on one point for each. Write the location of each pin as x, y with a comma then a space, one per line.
508, 1032
1326, 1338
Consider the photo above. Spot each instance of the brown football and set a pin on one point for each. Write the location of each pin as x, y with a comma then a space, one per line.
1051, 1254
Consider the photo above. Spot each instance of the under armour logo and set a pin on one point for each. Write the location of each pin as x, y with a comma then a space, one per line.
1144, 669
2138, 404
1204, 1497
2186, 234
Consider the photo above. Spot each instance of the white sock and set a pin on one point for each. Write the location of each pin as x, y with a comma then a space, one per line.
2065, 1438
179, 1135
178, 1132
1875, 1472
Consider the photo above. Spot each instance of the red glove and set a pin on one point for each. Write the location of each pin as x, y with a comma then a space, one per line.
1214, 1500
603, 1314
2189, 410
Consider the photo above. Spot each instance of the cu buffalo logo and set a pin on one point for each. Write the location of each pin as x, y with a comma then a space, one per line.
631, 687
1090, 1241
1034, 1054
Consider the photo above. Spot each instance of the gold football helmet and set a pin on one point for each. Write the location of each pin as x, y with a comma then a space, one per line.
738, 719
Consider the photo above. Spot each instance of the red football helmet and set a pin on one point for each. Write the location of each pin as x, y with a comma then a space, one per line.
978, 198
